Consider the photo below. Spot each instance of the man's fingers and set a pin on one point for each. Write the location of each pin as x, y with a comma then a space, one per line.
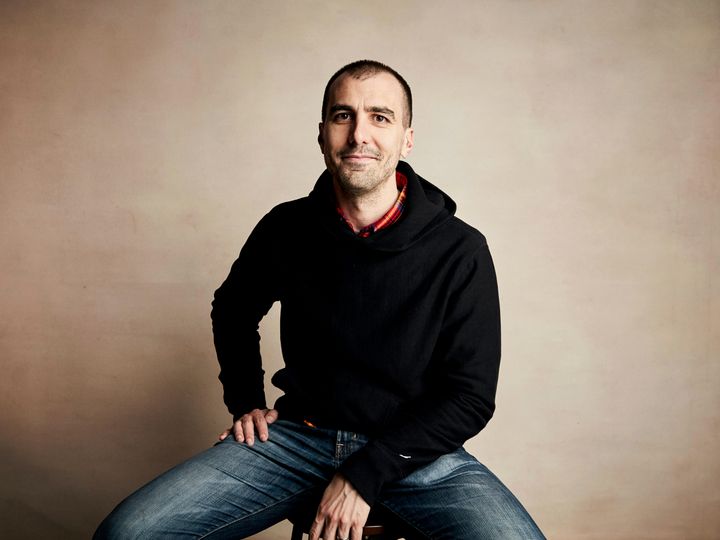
267, 417
330, 525
245, 427
271, 416
316, 529
260, 423
326, 527
238, 431
343, 531
330, 530
248, 429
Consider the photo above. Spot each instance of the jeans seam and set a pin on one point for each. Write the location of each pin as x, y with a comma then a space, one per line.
405, 520
256, 512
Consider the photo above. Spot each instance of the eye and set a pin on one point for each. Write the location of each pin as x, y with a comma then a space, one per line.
380, 118
342, 117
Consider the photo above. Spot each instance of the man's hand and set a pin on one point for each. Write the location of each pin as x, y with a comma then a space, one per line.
243, 429
342, 512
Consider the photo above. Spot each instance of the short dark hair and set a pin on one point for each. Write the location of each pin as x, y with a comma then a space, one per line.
367, 68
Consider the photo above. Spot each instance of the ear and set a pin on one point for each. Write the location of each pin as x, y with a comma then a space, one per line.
321, 139
408, 142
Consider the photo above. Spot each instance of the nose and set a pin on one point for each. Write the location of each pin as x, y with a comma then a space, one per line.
359, 133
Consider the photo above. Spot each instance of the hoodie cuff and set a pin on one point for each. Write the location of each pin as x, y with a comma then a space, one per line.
368, 470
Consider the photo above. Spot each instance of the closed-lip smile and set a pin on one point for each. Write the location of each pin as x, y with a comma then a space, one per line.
357, 156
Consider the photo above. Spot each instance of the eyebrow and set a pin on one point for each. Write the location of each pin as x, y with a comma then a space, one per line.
382, 110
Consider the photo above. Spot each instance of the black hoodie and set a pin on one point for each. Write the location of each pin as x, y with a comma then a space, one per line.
396, 335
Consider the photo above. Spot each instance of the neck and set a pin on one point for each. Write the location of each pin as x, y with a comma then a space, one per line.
363, 209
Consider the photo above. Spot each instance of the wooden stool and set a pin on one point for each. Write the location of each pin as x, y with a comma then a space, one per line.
375, 531
376, 527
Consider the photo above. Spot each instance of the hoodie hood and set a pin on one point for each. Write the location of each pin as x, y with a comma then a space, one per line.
426, 208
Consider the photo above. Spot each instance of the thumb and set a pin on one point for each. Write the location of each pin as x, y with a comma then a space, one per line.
271, 416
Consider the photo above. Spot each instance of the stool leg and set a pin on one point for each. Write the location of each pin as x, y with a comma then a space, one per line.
297, 532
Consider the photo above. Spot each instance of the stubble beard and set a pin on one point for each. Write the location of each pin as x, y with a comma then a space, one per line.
363, 181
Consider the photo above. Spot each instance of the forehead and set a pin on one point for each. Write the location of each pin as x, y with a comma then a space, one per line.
378, 89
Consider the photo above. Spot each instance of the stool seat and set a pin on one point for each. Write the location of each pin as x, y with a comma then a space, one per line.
376, 528
371, 531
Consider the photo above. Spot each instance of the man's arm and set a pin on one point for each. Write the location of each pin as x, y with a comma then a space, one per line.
239, 305
465, 367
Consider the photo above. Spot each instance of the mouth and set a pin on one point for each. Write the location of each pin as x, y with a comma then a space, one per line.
358, 158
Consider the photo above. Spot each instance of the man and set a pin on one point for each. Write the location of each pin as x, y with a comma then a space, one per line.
391, 341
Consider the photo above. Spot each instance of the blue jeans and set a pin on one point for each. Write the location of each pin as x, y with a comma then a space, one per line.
233, 491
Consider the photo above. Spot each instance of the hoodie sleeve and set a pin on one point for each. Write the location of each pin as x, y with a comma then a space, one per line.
465, 367
239, 305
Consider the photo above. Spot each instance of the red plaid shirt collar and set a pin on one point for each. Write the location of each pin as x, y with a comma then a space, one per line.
390, 217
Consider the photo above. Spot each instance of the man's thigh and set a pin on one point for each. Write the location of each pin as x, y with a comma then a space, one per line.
228, 491
456, 497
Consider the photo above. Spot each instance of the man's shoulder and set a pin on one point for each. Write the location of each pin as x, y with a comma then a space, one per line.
292, 205
287, 211
459, 231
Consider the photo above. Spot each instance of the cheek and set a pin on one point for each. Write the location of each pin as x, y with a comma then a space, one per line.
401, 146
335, 141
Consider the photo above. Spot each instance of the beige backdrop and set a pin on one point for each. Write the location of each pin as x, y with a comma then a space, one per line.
141, 141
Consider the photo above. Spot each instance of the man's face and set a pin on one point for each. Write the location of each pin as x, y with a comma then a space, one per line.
362, 137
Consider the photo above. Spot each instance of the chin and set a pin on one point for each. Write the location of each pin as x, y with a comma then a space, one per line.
357, 182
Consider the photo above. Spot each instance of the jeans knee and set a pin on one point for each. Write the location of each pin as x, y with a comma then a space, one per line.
107, 530
121, 526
